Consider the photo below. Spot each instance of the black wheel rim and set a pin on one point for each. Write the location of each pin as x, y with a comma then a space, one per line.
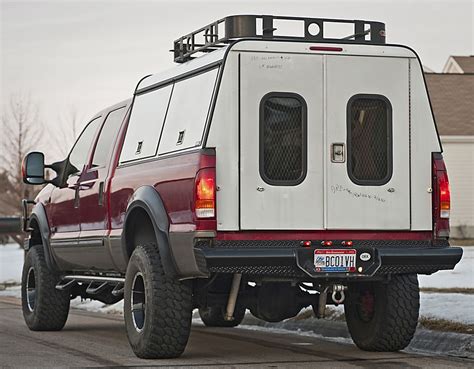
366, 305
138, 302
31, 289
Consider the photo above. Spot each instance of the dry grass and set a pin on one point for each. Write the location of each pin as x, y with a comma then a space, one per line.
446, 325
461, 242
465, 290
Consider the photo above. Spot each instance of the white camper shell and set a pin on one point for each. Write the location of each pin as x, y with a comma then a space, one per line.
358, 154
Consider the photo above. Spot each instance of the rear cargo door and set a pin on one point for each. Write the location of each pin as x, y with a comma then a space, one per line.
367, 141
281, 141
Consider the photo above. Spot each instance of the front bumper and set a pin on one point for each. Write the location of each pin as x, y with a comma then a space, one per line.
298, 262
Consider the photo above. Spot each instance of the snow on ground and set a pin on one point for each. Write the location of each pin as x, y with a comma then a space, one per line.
451, 306
97, 306
300, 332
12, 292
88, 305
461, 276
11, 263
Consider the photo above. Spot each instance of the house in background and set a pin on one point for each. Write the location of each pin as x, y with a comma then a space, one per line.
459, 65
452, 97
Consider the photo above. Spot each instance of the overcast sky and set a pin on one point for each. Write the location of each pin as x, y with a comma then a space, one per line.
88, 55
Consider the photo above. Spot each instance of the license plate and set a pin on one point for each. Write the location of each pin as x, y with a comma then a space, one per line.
335, 260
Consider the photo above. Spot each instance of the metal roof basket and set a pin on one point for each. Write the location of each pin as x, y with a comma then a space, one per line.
225, 30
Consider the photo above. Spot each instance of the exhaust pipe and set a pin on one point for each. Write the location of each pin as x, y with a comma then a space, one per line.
234, 292
323, 296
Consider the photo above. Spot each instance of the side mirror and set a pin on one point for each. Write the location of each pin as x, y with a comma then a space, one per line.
32, 168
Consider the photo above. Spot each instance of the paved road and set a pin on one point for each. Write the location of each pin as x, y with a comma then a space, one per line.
98, 340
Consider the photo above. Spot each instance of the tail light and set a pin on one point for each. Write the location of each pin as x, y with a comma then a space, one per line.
444, 195
205, 195
441, 197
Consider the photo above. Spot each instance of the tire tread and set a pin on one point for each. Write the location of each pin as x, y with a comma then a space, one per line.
397, 327
52, 306
170, 329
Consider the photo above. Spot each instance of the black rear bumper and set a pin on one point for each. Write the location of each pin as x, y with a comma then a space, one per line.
299, 262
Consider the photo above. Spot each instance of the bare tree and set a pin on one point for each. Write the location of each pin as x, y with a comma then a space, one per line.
66, 134
22, 131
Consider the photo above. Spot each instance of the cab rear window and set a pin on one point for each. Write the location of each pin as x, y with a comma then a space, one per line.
107, 136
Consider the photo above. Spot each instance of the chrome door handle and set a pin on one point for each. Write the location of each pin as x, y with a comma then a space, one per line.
338, 153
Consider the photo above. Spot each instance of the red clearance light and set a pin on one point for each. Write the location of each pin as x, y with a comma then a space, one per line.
325, 48
346, 243
306, 243
205, 193
326, 243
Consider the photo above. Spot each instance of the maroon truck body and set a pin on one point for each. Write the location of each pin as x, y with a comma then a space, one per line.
93, 205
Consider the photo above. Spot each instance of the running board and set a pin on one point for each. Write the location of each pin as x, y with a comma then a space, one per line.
93, 278
94, 289
69, 281
64, 285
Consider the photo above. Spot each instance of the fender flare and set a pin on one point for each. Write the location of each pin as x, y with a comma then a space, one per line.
149, 200
38, 214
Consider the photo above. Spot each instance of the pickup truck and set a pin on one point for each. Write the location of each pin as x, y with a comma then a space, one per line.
265, 172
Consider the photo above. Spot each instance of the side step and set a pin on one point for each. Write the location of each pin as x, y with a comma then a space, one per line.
96, 284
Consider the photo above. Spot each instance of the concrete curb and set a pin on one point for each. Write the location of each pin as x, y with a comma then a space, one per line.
427, 341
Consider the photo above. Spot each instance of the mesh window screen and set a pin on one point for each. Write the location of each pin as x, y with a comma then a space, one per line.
283, 139
369, 140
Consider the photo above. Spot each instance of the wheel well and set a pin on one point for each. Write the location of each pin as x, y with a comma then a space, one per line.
138, 230
35, 235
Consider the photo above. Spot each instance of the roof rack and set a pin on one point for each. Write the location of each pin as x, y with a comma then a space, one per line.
223, 31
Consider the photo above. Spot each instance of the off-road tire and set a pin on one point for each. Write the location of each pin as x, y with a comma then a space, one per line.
167, 307
49, 308
394, 317
213, 316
